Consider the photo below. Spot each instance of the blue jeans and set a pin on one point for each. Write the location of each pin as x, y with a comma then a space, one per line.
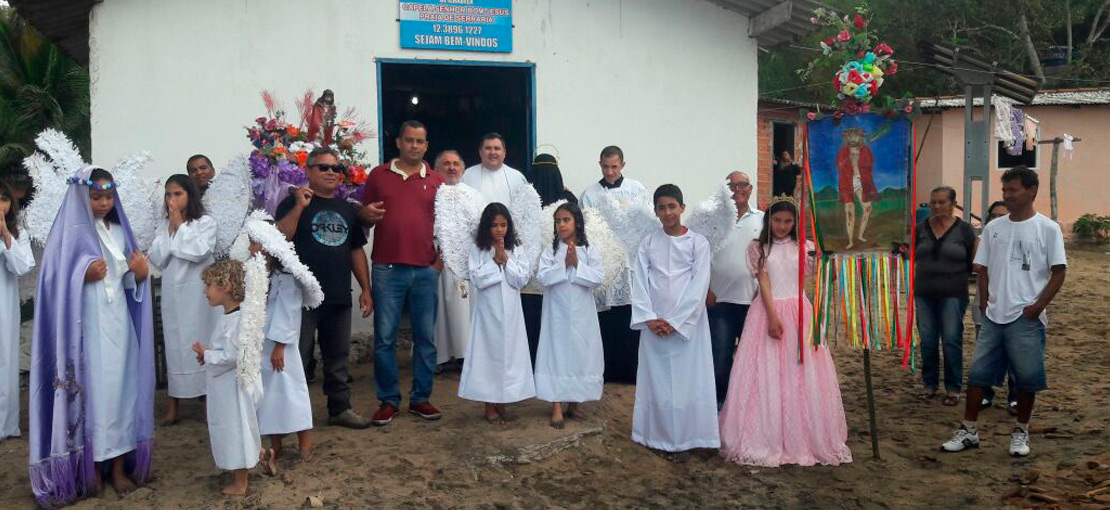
941, 320
1019, 345
394, 286
726, 322
1005, 376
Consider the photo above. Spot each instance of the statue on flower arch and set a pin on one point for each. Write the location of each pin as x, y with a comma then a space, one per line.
321, 120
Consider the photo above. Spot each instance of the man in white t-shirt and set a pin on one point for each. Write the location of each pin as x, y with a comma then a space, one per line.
1021, 266
731, 283
621, 343
493, 178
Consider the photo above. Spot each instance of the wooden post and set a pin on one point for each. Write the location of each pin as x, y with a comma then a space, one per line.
870, 403
1054, 168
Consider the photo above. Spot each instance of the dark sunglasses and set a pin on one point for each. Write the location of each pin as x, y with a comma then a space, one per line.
339, 169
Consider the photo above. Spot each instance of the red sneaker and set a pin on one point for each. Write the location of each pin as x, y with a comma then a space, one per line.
425, 410
384, 415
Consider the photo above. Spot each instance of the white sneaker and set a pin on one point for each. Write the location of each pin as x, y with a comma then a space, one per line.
961, 441
1019, 443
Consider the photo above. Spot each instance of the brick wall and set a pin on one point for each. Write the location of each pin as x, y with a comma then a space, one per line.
768, 114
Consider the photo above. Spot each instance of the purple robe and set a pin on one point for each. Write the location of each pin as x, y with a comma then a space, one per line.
61, 463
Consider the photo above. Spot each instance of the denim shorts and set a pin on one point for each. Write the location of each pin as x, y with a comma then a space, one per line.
1020, 343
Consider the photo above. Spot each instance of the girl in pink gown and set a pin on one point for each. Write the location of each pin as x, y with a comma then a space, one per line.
779, 411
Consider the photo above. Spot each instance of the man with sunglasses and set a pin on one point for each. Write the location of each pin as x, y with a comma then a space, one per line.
329, 238
404, 257
731, 283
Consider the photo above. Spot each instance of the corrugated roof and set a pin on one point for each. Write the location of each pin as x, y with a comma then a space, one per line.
66, 22
1062, 97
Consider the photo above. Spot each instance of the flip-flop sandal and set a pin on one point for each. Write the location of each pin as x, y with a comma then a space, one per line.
950, 400
558, 424
927, 395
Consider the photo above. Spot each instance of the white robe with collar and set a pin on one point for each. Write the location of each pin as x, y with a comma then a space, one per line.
232, 413
113, 349
676, 402
186, 315
452, 316
495, 185
15, 262
286, 406
498, 367
630, 192
570, 361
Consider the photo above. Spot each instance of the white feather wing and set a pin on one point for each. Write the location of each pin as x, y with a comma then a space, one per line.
458, 209
715, 217
631, 224
140, 198
528, 219
228, 201
57, 159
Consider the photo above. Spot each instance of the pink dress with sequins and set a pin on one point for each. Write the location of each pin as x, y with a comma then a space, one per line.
779, 411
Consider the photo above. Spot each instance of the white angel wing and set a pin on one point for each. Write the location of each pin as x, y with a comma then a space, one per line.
458, 210
528, 219
139, 197
631, 224
613, 254
547, 224
259, 228
715, 217
228, 201
252, 324
56, 161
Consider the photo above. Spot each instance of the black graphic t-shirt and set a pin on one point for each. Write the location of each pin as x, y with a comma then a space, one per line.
326, 234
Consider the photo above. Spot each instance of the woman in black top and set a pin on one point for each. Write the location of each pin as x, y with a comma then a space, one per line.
784, 179
945, 250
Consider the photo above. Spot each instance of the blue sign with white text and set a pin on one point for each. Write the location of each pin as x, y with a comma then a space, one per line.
461, 25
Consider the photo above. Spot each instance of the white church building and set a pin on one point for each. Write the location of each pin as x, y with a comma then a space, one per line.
672, 82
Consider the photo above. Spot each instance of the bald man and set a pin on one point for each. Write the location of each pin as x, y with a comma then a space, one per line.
731, 284
453, 306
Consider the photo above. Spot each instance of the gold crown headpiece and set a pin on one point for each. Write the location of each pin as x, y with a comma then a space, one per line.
784, 198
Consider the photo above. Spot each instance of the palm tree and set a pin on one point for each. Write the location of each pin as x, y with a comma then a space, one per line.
39, 88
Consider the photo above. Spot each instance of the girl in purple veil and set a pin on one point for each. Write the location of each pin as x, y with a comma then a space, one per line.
92, 361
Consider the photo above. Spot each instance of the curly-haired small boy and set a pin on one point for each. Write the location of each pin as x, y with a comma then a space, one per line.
232, 413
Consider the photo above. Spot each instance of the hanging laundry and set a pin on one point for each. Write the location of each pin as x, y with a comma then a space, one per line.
1069, 147
1031, 128
1017, 129
1002, 129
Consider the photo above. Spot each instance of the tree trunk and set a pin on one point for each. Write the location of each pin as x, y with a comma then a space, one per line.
1027, 41
1098, 24
1067, 9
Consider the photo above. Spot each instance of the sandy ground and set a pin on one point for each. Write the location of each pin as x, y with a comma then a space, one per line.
460, 462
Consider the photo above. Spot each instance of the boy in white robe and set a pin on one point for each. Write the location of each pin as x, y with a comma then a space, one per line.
676, 405
570, 361
232, 405
498, 368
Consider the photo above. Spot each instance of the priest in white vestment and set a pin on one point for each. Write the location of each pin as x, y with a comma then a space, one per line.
496, 181
453, 296
620, 342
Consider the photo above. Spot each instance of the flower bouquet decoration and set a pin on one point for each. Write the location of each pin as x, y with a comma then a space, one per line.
280, 155
863, 60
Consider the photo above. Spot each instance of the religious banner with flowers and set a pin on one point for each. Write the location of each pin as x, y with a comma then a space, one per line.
281, 148
859, 178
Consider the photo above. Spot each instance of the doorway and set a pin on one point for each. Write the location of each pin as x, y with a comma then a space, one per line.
782, 139
459, 102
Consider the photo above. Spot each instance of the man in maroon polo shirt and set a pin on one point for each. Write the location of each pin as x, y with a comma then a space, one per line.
403, 272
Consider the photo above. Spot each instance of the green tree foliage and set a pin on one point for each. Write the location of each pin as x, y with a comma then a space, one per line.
39, 88
993, 29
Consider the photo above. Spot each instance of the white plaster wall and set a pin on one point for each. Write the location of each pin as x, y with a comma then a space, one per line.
672, 82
